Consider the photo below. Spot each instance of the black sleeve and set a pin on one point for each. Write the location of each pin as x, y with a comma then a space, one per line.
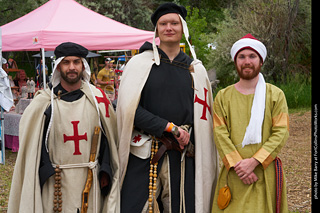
46, 169
104, 161
149, 122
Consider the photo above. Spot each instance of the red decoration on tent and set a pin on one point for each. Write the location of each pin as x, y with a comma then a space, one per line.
76, 138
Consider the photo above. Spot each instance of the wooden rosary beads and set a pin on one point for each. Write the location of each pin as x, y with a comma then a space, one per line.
57, 201
153, 175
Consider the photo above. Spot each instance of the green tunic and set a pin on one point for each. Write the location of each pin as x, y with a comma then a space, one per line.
232, 111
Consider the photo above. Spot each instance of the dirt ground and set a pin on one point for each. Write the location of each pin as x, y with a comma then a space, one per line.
296, 160
295, 156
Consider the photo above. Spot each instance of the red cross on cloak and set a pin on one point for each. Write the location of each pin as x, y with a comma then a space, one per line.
204, 103
136, 138
104, 100
76, 137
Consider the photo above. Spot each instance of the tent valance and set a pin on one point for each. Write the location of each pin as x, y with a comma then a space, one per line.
59, 21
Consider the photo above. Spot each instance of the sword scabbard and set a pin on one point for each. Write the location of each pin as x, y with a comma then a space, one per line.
93, 151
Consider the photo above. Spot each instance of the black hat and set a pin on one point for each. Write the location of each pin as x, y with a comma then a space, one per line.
168, 8
70, 49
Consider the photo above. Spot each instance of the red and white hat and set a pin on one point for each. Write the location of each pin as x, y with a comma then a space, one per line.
249, 42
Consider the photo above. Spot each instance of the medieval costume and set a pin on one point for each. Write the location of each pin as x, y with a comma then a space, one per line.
254, 125
56, 137
153, 91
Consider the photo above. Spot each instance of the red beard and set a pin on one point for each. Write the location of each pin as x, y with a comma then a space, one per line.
248, 76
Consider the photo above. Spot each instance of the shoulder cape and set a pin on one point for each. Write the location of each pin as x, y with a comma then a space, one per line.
25, 194
206, 156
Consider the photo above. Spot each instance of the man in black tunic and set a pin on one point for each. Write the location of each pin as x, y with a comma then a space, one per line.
163, 91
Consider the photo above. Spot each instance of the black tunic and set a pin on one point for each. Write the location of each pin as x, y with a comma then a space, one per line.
46, 170
167, 96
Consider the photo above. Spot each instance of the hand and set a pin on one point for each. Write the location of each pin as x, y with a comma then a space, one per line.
252, 178
183, 139
245, 167
104, 180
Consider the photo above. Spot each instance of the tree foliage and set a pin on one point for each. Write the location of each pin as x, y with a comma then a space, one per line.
197, 28
134, 13
11, 10
284, 26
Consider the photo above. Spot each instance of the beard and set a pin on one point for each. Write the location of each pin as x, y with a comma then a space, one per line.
248, 76
65, 77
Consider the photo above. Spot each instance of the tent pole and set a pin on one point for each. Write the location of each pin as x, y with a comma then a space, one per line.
3, 149
43, 69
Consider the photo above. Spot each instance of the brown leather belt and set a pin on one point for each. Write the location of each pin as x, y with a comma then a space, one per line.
169, 144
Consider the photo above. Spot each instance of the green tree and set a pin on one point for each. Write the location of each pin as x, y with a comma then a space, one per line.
11, 10
135, 13
212, 10
284, 26
197, 29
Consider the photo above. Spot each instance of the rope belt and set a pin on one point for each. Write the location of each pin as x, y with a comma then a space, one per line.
168, 144
57, 201
279, 183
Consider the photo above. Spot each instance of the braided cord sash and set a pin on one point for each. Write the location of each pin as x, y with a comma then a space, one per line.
279, 183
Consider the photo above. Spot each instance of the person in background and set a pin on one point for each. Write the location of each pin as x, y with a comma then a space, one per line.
22, 79
106, 78
12, 64
39, 74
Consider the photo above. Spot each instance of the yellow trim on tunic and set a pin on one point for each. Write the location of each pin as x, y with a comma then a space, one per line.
231, 159
264, 157
281, 120
217, 121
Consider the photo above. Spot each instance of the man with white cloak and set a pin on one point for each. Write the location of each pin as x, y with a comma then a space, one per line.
65, 164
163, 93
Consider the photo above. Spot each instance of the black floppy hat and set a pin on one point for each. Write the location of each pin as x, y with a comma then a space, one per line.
168, 8
70, 49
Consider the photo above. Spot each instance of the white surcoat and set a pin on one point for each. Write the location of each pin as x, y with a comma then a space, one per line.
70, 143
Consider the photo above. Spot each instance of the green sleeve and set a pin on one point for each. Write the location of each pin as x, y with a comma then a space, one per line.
227, 151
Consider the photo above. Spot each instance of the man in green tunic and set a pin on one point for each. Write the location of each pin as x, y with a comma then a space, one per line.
251, 125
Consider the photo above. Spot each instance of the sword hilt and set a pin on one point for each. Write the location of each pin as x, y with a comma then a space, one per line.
175, 131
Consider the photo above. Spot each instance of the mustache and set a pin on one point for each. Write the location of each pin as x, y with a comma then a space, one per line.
72, 72
247, 66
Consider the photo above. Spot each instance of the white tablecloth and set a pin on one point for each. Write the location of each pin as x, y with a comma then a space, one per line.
22, 105
11, 123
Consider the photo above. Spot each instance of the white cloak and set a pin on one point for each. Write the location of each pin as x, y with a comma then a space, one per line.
25, 194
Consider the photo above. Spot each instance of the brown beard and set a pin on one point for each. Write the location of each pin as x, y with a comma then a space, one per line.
71, 81
256, 71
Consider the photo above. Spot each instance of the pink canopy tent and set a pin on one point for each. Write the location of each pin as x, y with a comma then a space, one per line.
59, 21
